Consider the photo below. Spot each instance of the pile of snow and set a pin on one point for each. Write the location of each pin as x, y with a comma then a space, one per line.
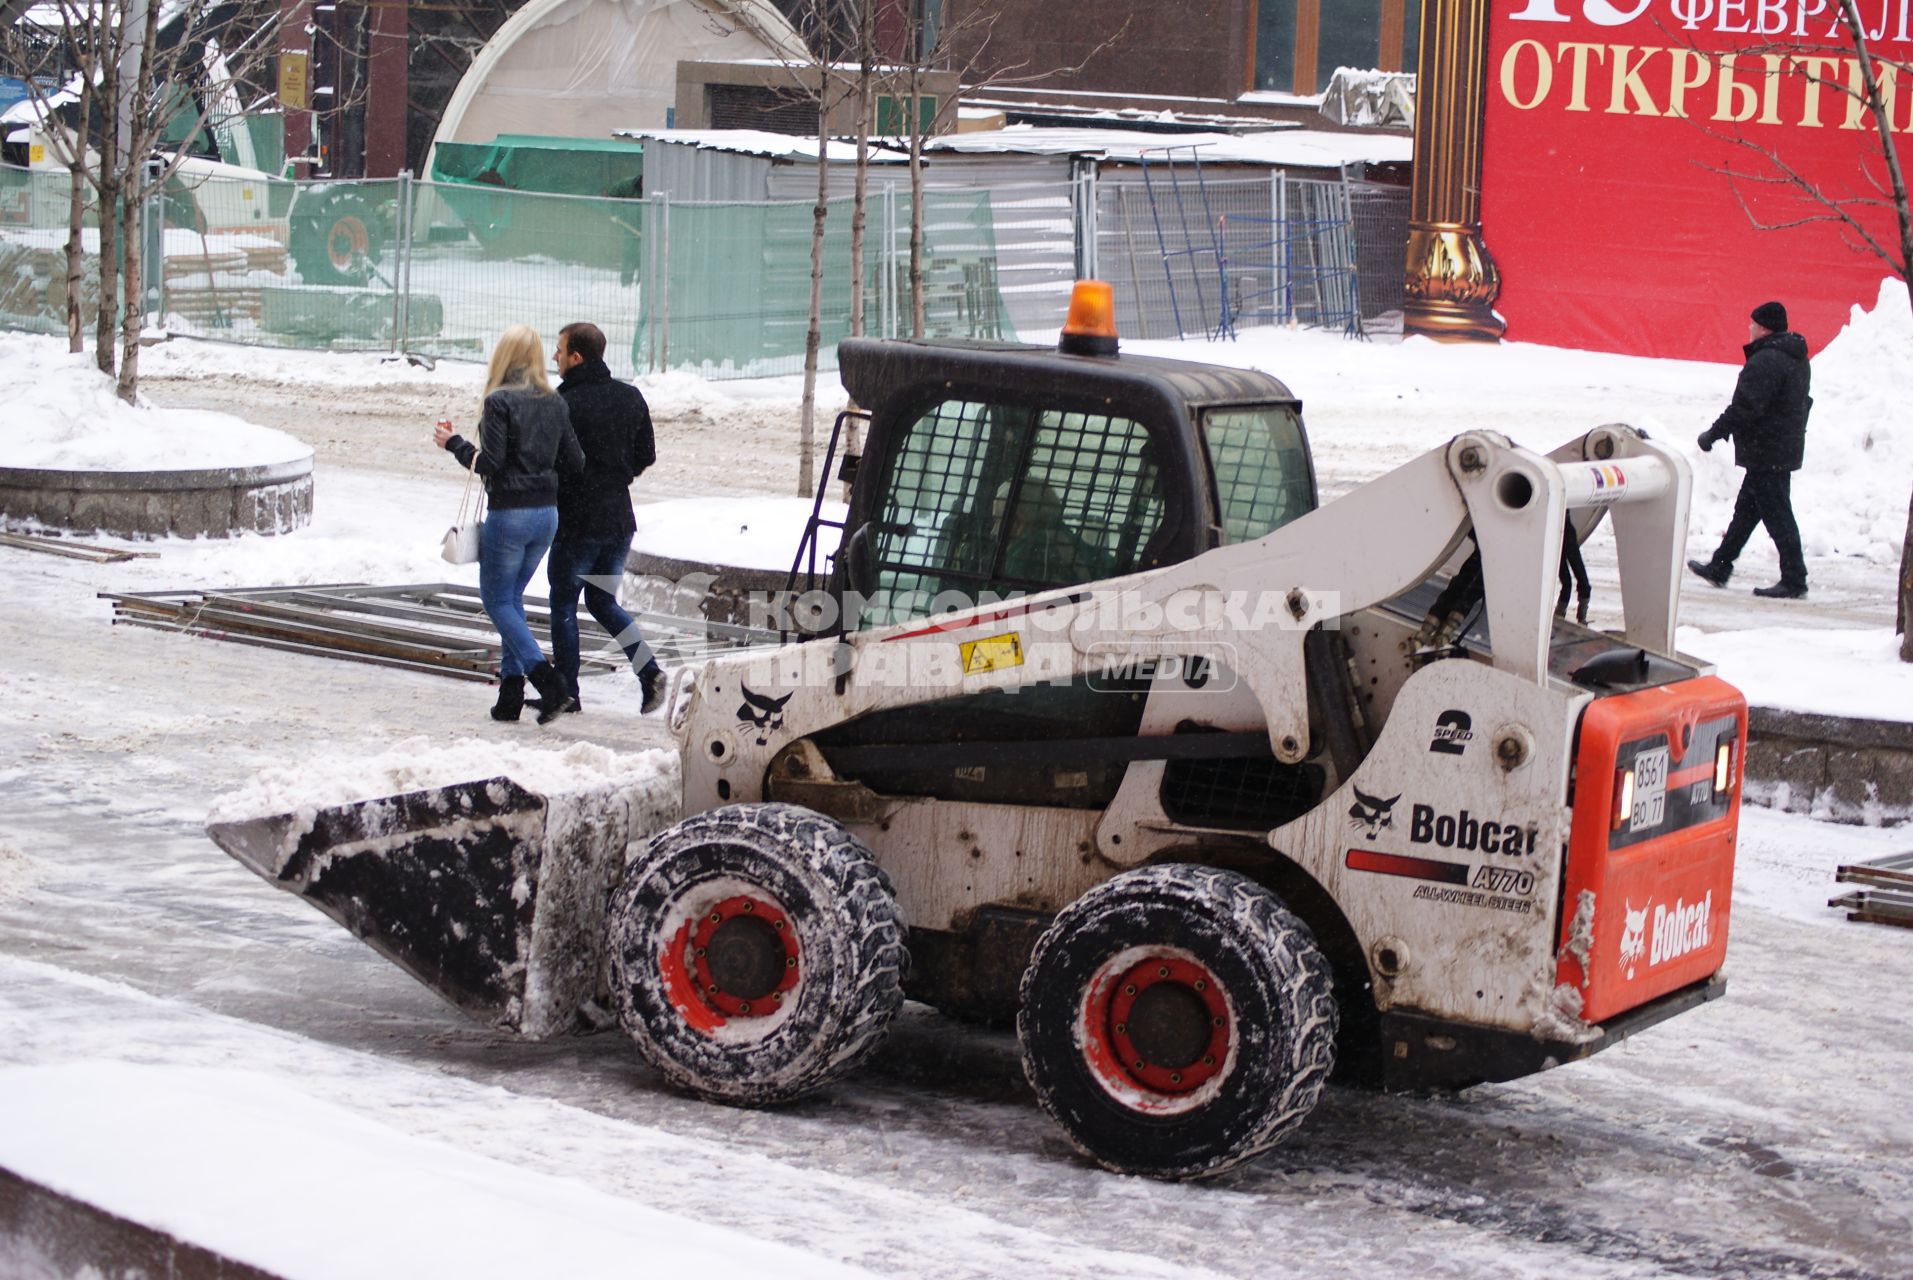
1812, 669
1851, 496
745, 533
420, 764
63, 414
206, 1152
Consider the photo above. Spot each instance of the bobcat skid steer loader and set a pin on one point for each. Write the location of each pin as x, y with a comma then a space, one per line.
1103, 725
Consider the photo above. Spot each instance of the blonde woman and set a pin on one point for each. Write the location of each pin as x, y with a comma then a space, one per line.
524, 439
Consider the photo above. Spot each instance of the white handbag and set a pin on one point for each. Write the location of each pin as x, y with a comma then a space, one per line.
460, 545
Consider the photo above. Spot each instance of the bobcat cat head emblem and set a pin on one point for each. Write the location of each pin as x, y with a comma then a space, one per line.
1633, 934
1369, 814
767, 714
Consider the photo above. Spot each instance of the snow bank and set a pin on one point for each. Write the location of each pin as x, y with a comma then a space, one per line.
64, 415
746, 533
419, 764
249, 1166
1825, 672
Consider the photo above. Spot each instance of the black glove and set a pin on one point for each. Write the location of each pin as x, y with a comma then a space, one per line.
1706, 441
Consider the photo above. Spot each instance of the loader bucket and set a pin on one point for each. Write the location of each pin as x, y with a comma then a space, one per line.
492, 895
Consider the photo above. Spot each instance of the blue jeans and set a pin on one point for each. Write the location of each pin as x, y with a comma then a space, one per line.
584, 563
513, 543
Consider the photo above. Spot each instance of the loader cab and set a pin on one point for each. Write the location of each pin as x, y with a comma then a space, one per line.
996, 470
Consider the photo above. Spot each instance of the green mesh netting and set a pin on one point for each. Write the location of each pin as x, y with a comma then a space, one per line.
722, 289
736, 280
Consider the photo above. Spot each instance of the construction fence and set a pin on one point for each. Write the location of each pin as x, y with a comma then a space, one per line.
719, 289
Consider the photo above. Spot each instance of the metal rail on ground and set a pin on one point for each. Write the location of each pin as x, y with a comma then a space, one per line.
434, 627
1887, 893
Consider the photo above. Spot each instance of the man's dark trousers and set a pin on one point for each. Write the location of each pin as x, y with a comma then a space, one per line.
573, 562
1765, 498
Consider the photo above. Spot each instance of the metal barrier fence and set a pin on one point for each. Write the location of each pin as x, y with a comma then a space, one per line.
720, 289
1243, 253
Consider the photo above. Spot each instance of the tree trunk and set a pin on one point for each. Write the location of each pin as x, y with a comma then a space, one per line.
106, 323
916, 205
133, 310
1906, 591
859, 206
75, 258
813, 332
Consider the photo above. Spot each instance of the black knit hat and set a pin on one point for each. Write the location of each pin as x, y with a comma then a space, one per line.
1771, 316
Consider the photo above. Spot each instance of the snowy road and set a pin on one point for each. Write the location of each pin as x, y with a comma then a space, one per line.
187, 1047
1764, 1135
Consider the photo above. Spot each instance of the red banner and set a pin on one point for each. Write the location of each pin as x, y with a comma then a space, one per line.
1633, 149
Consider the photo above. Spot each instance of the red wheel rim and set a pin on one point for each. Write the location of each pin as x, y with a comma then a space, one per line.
736, 961
1156, 1027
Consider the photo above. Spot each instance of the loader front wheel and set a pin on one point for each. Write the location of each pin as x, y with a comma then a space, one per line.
757, 953
1176, 1021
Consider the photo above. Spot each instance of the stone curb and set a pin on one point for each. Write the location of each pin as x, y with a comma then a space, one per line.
44, 1232
1844, 768
215, 502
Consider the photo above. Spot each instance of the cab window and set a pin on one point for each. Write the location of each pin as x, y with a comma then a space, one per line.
1003, 499
1261, 468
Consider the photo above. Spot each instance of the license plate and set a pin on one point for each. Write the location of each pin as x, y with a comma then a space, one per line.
1650, 789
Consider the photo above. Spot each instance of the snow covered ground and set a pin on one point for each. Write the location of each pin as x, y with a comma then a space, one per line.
186, 1047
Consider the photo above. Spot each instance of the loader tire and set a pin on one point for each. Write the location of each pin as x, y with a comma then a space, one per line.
1177, 1020
757, 953
336, 237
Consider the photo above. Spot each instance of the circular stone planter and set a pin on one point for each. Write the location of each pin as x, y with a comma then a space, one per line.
216, 502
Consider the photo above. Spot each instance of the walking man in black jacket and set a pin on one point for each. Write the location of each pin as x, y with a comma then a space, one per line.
613, 425
1768, 423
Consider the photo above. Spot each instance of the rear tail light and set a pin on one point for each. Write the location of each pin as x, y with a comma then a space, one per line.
1623, 798
1723, 768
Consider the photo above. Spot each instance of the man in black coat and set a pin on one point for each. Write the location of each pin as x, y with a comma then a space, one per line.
613, 425
1768, 423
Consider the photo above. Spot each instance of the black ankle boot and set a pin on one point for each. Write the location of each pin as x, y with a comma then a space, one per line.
555, 698
651, 681
511, 698
1708, 571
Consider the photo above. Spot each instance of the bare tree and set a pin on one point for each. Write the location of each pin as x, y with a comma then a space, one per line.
962, 48
1855, 210
60, 67
146, 84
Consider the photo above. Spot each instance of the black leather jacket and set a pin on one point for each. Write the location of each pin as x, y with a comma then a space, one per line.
524, 440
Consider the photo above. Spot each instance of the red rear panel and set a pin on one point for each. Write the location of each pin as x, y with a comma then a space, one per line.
1662, 876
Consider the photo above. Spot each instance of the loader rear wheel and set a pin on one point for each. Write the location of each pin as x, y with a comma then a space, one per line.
757, 953
1177, 1020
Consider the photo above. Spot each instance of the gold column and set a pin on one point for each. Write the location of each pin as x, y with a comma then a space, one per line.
1452, 281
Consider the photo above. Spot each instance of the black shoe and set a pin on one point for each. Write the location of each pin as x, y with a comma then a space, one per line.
1708, 571
555, 699
1783, 591
651, 679
511, 698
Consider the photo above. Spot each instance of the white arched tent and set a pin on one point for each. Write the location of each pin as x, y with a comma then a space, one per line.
582, 68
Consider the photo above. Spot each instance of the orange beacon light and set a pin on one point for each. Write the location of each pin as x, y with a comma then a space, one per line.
1090, 328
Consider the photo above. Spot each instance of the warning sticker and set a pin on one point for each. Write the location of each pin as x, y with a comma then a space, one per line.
992, 653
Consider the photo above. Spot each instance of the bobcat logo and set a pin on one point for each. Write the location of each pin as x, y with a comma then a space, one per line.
765, 713
1369, 814
1634, 935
